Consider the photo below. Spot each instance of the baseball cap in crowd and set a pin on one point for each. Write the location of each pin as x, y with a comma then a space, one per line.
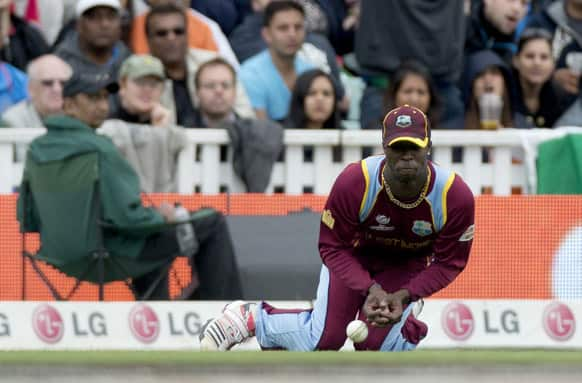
136, 66
406, 123
89, 83
84, 5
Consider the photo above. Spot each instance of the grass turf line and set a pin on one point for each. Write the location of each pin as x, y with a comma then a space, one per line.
281, 358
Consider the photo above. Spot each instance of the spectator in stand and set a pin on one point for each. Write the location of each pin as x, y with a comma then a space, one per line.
141, 127
199, 34
256, 143
313, 102
95, 45
431, 32
492, 25
203, 32
13, 86
563, 19
269, 77
166, 31
314, 105
20, 42
412, 85
486, 72
248, 40
46, 76
539, 103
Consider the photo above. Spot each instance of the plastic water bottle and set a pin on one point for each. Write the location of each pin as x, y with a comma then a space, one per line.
185, 232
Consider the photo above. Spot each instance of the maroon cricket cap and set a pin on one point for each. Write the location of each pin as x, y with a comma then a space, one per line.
406, 123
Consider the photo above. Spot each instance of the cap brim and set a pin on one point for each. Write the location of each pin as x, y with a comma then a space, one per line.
416, 141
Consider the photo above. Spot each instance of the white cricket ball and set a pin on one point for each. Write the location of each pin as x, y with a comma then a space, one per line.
357, 331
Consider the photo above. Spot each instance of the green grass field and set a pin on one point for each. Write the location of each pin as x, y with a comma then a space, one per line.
282, 358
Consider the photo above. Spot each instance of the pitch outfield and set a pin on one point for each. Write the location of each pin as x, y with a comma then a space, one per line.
421, 358
451, 366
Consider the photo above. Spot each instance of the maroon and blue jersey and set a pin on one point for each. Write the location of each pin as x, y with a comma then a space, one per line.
363, 232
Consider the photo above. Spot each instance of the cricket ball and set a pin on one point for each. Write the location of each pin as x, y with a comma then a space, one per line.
357, 331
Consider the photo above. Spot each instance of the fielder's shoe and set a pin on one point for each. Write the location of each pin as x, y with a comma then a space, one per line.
417, 308
234, 326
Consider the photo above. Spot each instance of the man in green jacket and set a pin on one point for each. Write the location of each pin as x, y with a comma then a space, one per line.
133, 231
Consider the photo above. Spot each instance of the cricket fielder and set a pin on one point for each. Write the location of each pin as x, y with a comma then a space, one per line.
396, 228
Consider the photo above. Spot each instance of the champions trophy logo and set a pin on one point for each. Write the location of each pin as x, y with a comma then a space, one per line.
559, 321
457, 321
48, 324
144, 323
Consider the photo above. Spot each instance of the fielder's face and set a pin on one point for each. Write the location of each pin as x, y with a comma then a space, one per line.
286, 33
505, 14
405, 161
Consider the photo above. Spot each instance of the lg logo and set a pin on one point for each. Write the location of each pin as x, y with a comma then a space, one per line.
144, 323
457, 321
48, 324
559, 322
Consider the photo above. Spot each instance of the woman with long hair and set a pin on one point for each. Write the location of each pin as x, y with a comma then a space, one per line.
539, 103
313, 102
412, 84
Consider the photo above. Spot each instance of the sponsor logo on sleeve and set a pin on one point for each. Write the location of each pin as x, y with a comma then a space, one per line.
48, 324
457, 321
468, 234
559, 322
144, 323
328, 219
422, 228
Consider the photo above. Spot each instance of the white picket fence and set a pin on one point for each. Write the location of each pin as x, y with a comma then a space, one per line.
511, 159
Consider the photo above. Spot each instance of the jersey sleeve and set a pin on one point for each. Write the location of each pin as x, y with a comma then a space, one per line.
451, 247
338, 228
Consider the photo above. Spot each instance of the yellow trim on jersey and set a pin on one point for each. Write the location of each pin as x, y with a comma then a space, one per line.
444, 196
366, 190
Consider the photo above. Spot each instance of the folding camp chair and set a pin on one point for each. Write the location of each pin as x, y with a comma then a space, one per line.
63, 197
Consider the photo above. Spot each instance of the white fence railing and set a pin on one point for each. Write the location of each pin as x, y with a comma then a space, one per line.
511, 158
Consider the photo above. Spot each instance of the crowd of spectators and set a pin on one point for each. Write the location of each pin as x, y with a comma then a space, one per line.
256, 67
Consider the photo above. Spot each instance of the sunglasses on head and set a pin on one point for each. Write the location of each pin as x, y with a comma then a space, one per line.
165, 32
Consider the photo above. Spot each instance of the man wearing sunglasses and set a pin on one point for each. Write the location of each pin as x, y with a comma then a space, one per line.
46, 76
166, 29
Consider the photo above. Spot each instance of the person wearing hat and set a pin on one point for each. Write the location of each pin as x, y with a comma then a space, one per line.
140, 232
141, 127
95, 45
141, 82
396, 228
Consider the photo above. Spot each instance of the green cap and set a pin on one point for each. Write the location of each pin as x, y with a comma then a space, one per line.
136, 66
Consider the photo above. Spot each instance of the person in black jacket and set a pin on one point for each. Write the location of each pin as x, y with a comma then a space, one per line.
20, 42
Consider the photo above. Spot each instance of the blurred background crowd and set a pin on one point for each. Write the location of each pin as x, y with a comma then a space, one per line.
256, 67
